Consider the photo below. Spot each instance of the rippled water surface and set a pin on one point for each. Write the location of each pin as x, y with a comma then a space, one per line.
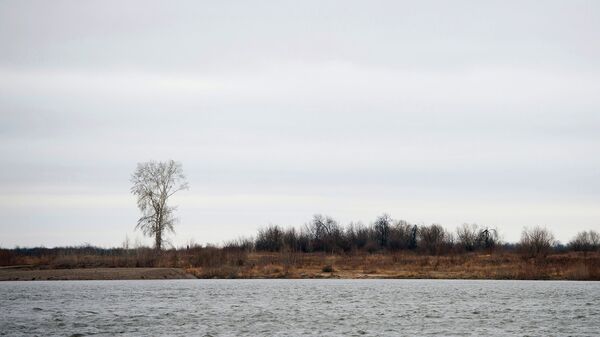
299, 308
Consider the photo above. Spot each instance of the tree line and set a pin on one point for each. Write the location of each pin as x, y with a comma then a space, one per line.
325, 234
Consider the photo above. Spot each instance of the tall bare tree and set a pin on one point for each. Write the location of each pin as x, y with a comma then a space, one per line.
153, 184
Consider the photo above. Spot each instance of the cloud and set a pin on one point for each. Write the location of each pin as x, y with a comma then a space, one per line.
432, 112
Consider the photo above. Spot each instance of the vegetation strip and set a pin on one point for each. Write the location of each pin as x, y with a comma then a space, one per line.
324, 249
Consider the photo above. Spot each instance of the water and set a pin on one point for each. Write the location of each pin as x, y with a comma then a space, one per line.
299, 308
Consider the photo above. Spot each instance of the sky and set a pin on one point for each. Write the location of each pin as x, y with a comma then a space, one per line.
445, 112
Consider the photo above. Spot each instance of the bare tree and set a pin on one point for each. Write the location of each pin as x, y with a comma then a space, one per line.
468, 235
358, 235
586, 241
537, 242
270, 239
402, 236
153, 184
471, 237
488, 238
324, 231
381, 229
435, 239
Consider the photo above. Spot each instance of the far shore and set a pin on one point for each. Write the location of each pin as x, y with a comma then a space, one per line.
219, 264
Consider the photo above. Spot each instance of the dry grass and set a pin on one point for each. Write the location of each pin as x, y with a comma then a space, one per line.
567, 266
211, 262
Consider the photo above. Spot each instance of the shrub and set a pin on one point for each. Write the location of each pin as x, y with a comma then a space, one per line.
471, 237
325, 233
381, 229
357, 235
488, 238
434, 239
467, 236
328, 269
269, 239
585, 241
536, 242
244, 244
402, 236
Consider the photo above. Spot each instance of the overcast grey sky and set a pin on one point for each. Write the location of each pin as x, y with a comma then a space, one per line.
431, 111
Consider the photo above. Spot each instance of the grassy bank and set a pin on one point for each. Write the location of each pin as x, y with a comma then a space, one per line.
212, 262
567, 266
386, 248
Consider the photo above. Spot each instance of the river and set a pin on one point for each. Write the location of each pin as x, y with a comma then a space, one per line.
300, 308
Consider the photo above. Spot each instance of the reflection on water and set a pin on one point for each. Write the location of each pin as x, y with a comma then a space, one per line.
299, 308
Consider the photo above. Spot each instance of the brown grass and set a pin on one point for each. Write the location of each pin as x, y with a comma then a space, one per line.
566, 266
211, 262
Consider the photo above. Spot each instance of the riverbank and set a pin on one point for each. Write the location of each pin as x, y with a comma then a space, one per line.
28, 274
564, 266
499, 266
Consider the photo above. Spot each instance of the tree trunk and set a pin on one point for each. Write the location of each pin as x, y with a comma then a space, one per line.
158, 241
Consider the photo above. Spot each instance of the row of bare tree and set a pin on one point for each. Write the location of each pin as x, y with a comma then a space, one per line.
324, 234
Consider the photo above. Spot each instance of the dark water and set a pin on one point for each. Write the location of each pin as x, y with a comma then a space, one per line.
299, 308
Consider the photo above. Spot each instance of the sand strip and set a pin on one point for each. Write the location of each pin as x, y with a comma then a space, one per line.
18, 274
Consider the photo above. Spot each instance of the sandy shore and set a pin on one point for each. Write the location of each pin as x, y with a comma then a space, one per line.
25, 274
